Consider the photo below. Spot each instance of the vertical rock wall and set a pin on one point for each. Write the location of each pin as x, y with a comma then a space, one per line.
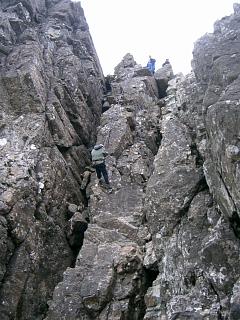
164, 242
218, 54
50, 101
192, 198
169, 230
109, 280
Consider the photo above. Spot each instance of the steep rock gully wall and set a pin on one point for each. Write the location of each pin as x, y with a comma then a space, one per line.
164, 242
51, 86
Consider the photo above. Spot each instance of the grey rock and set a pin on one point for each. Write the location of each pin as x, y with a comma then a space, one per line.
51, 89
126, 66
77, 227
163, 242
150, 260
163, 76
111, 258
142, 72
72, 208
86, 178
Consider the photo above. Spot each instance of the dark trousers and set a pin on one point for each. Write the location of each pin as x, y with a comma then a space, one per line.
101, 170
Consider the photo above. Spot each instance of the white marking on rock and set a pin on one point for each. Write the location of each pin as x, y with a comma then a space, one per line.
3, 142
33, 147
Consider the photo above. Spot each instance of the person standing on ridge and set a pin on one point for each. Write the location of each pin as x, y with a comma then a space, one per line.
166, 63
151, 64
99, 154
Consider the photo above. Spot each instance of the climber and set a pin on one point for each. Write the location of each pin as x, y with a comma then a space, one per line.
166, 62
151, 64
99, 154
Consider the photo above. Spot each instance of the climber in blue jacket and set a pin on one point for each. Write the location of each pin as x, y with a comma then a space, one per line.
151, 64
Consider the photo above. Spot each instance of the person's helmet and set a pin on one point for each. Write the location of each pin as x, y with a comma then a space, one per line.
98, 146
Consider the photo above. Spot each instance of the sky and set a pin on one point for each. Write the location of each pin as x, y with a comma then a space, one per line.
160, 28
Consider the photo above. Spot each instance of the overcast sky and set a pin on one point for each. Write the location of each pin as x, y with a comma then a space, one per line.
160, 28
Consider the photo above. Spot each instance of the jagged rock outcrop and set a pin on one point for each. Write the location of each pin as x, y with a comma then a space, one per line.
196, 249
163, 76
51, 86
195, 230
163, 243
220, 62
178, 214
109, 280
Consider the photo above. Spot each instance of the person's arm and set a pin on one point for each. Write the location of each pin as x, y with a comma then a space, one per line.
105, 153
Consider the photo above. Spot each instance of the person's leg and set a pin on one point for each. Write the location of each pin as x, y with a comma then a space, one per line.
98, 171
104, 173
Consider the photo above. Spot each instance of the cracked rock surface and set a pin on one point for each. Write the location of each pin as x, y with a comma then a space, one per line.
163, 243
109, 281
50, 99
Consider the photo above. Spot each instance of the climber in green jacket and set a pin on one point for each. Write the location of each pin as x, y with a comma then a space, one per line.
99, 154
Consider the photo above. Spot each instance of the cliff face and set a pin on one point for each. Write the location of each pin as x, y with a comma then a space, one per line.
192, 199
109, 281
164, 242
50, 102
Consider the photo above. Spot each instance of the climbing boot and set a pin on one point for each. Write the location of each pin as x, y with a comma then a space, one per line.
108, 187
101, 182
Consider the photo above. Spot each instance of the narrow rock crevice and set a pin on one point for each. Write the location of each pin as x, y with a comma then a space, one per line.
224, 184
76, 227
162, 89
150, 275
235, 224
118, 212
219, 311
200, 186
198, 157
